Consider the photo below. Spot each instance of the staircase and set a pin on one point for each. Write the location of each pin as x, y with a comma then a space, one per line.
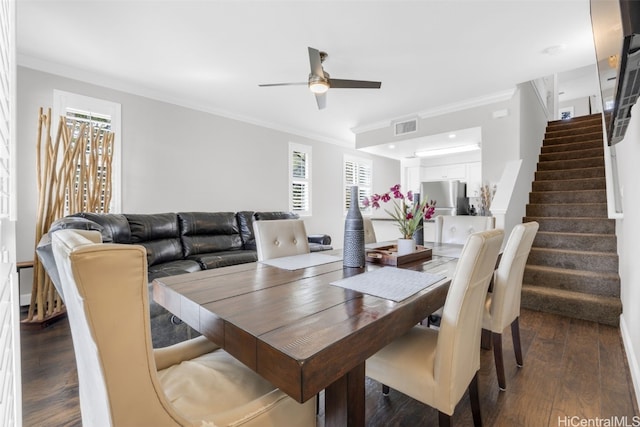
572, 269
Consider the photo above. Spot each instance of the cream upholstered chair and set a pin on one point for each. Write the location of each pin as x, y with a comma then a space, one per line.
369, 232
436, 367
456, 228
280, 237
502, 307
122, 380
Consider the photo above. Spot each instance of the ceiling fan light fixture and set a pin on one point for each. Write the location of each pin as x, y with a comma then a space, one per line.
318, 86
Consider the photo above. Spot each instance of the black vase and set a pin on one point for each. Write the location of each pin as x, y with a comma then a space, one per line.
418, 236
353, 249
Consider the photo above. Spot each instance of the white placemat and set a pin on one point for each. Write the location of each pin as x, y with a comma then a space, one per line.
296, 262
390, 283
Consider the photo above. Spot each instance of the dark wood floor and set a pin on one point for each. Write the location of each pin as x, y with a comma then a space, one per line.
572, 368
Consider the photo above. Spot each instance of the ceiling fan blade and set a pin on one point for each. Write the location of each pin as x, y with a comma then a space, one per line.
316, 62
354, 84
321, 100
284, 84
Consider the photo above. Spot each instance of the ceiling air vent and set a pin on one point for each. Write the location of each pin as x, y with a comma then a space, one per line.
407, 126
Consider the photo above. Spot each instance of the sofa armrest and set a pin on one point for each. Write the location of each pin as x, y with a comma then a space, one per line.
321, 239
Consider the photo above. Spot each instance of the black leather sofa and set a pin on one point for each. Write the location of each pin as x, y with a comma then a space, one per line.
176, 243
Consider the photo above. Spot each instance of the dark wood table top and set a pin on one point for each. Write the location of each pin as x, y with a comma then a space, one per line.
295, 329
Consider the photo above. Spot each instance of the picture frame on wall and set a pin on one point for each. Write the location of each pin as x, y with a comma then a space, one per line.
566, 113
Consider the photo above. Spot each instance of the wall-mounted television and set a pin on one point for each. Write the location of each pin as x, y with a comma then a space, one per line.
616, 33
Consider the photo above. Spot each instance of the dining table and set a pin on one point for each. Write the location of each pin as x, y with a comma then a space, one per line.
306, 323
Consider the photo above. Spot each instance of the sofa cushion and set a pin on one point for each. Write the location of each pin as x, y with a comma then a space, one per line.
206, 232
245, 225
159, 234
115, 227
172, 268
224, 258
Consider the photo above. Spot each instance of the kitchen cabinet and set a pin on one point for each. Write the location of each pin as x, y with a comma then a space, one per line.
444, 172
474, 179
413, 178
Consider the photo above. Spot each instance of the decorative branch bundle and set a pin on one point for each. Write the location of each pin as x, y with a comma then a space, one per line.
486, 197
74, 175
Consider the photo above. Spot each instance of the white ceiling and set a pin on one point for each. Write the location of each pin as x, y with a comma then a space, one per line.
212, 55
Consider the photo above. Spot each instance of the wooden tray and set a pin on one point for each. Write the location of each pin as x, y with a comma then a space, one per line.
388, 255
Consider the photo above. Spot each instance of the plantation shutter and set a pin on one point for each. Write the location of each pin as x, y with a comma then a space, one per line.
357, 172
95, 127
300, 179
10, 382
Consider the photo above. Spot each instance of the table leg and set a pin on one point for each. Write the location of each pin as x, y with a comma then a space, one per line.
344, 400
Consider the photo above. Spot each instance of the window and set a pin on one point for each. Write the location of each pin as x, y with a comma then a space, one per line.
300, 179
608, 105
101, 116
357, 171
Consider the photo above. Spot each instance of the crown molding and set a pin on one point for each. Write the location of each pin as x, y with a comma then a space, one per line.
108, 82
441, 110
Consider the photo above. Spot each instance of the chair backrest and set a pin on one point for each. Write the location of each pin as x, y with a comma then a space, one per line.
280, 237
369, 232
456, 228
507, 285
105, 293
458, 350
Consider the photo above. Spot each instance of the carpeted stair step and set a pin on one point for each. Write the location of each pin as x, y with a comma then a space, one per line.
570, 184
586, 128
593, 282
587, 162
597, 152
572, 146
571, 138
596, 172
572, 259
574, 225
576, 196
579, 305
574, 122
575, 210
572, 268
576, 241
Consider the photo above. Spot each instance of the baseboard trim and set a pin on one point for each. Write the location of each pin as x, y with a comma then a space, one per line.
632, 358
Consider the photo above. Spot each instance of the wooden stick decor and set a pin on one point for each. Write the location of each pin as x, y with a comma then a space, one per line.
74, 175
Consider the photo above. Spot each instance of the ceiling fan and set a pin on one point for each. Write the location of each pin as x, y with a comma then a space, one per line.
319, 81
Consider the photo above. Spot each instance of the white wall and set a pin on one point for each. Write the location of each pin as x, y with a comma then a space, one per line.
518, 135
628, 234
179, 159
533, 123
580, 106
499, 135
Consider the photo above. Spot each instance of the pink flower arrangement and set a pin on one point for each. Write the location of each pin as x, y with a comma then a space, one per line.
405, 212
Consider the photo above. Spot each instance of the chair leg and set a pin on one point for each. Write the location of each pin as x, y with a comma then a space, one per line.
515, 333
497, 356
485, 339
444, 420
385, 390
318, 404
474, 397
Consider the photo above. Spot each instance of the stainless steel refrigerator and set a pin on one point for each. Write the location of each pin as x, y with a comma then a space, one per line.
450, 196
